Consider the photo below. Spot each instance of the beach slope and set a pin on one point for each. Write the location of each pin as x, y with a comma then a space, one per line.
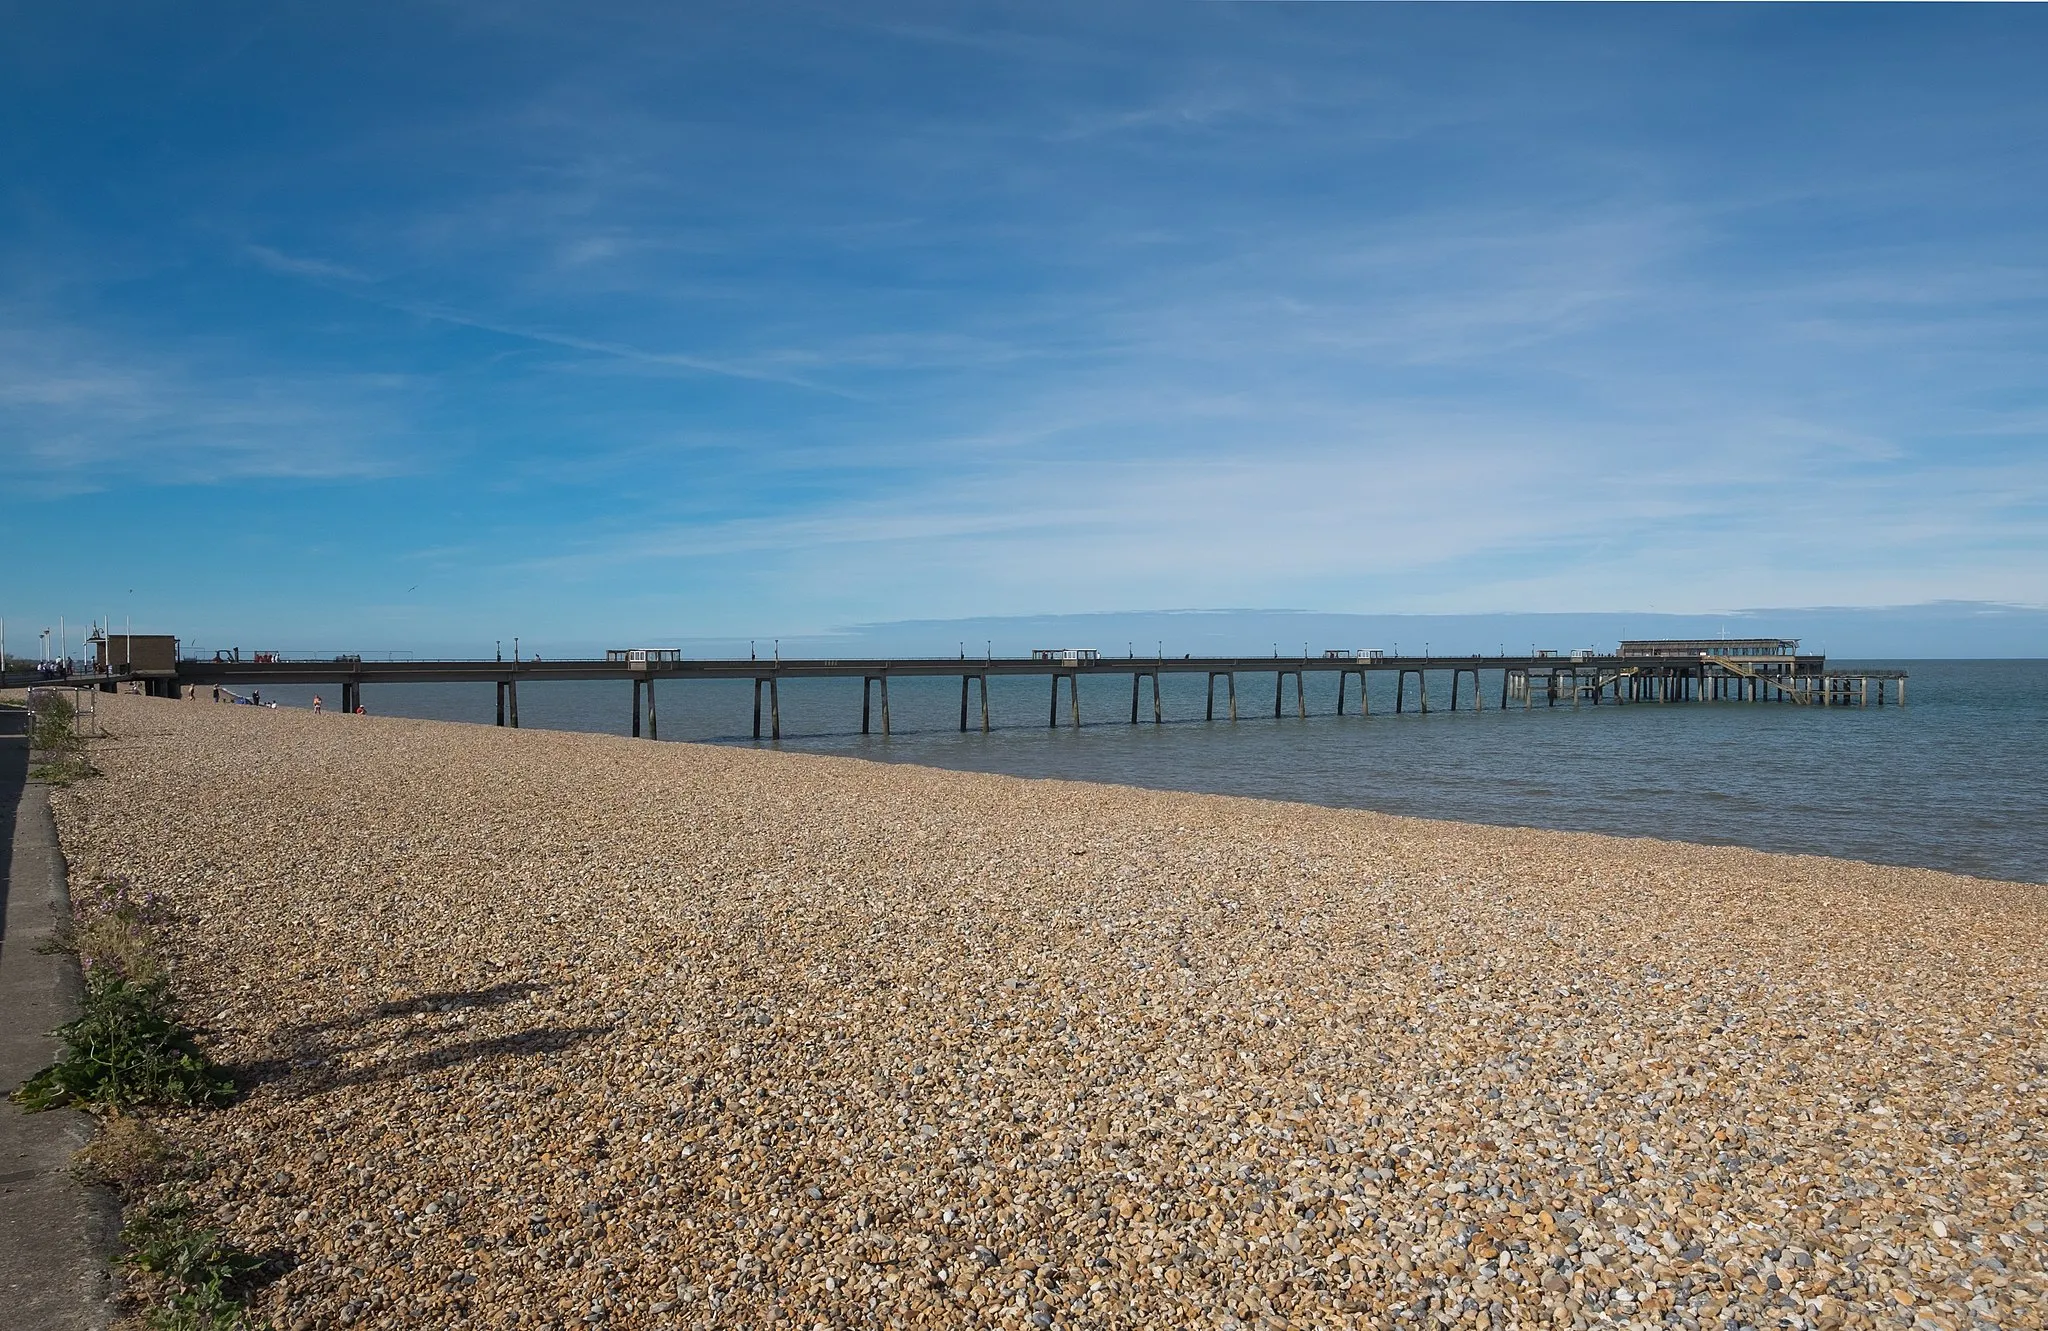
545, 1029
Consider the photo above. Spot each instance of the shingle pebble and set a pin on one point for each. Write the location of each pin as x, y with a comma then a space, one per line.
556, 1030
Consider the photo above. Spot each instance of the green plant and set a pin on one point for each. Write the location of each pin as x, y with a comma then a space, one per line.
126, 1048
206, 1277
118, 940
52, 729
68, 769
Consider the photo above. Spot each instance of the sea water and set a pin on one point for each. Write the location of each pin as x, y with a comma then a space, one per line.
1958, 780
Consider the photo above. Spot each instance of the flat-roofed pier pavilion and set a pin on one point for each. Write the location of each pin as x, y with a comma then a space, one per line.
1659, 671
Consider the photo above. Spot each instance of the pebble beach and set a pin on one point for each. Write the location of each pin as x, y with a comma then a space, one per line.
551, 1030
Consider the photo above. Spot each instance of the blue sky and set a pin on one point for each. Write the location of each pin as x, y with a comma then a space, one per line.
427, 324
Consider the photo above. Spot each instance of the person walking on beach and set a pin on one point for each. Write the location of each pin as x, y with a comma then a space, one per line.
216, 693
316, 704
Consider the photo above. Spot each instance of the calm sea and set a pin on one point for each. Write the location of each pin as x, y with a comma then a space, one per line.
1958, 780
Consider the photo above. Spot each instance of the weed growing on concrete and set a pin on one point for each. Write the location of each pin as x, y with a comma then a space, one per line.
205, 1278
127, 1048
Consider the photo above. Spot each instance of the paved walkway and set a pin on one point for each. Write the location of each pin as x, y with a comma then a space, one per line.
55, 1234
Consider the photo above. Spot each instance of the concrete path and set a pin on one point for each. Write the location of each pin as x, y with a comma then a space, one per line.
55, 1234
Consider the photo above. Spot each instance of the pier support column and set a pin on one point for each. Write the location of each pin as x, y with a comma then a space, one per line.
1280, 692
636, 707
869, 682
501, 701
653, 724
984, 702
1230, 678
1136, 676
512, 700
1455, 673
775, 707
1073, 699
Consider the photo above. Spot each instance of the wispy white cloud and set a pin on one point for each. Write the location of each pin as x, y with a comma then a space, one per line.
81, 414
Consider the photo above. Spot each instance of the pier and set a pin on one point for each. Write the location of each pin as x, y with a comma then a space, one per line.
1639, 673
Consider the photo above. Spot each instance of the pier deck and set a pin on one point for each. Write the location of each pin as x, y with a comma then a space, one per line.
1541, 679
